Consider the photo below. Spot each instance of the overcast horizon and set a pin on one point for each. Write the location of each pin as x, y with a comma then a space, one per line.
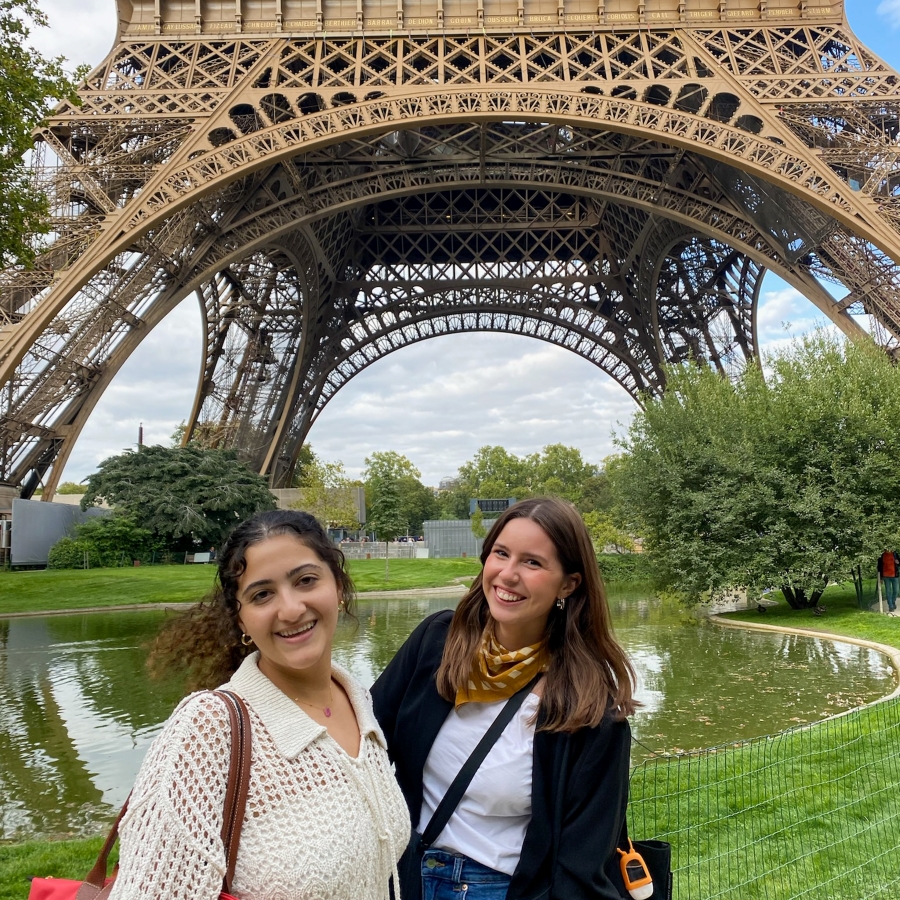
436, 402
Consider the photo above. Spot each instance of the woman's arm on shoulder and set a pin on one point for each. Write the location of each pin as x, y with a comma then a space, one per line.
170, 837
596, 797
391, 685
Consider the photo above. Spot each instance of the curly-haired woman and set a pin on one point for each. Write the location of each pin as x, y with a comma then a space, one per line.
324, 817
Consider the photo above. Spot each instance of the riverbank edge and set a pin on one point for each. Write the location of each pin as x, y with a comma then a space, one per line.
362, 595
892, 653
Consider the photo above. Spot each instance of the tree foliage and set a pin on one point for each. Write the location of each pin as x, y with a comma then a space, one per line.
477, 520
104, 541
71, 487
29, 85
327, 493
385, 516
787, 481
606, 534
496, 473
184, 496
416, 501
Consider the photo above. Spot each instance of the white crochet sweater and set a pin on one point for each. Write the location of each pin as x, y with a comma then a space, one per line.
319, 825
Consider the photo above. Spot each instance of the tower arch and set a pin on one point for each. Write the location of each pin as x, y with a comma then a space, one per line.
332, 188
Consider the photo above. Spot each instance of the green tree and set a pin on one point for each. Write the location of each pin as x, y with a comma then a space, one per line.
103, 541
787, 482
596, 494
305, 457
417, 502
71, 487
605, 533
327, 493
29, 85
477, 520
389, 464
560, 470
453, 501
385, 517
494, 472
185, 496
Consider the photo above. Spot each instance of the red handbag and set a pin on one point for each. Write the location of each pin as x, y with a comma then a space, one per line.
97, 885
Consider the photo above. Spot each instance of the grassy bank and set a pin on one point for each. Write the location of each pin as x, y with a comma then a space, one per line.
841, 616
57, 859
74, 589
810, 812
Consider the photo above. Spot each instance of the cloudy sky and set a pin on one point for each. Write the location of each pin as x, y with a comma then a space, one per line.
438, 401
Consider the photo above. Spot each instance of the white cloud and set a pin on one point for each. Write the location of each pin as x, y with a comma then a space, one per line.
890, 10
439, 401
83, 32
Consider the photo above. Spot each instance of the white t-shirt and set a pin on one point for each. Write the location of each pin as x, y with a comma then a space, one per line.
490, 822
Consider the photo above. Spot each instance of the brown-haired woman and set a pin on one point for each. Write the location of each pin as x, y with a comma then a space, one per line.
324, 818
545, 811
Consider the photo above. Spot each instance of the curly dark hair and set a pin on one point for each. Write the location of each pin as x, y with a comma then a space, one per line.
205, 642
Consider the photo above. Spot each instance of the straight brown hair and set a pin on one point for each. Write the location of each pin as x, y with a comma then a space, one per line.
589, 675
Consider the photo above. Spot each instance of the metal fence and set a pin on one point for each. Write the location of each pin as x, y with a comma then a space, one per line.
375, 550
453, 538
808, 814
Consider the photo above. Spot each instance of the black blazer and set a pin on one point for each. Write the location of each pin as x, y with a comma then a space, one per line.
589, 766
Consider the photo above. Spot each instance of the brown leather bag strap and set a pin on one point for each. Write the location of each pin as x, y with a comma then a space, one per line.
238, 782
97, 876
235, 801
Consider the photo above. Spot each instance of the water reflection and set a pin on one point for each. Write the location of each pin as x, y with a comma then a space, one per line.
77, 711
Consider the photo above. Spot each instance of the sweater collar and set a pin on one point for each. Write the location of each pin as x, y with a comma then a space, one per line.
291, 729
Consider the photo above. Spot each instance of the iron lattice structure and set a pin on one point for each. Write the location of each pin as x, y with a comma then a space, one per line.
335, 179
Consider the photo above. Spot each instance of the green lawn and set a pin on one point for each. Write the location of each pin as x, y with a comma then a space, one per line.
842, 616
72, 589
809, 813
57, 859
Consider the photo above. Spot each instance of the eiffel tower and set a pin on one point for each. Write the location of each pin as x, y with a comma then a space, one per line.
336, 179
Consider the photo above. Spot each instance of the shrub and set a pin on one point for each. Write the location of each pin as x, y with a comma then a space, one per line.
108, 541
624, 567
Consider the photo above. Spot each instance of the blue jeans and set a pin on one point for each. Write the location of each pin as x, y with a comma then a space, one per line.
449, 877
890, 591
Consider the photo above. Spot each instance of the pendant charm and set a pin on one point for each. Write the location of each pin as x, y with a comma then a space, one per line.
327, 712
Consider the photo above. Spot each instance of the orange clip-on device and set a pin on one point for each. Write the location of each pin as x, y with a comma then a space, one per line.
635, 873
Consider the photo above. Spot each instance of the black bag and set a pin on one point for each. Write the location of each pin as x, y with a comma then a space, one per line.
658, 857
410, 866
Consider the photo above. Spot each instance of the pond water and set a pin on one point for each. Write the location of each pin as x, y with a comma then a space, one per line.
77, 711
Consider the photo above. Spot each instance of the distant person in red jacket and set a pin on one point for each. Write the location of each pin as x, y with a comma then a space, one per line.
889, 570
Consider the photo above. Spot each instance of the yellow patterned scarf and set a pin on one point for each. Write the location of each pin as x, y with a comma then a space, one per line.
498, 673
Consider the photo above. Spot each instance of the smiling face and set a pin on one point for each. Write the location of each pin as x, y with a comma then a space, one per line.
288, 600
522, 579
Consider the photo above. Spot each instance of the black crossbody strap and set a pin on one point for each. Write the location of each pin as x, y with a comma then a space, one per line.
458, 788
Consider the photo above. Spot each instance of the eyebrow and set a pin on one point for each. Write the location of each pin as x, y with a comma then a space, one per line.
530, 555
302, 567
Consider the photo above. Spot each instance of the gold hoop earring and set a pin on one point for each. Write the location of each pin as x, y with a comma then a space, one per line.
246, 640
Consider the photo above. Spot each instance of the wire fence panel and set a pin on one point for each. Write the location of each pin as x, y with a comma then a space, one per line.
810, 813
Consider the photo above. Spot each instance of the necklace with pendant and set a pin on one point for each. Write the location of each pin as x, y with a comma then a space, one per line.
325, 709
